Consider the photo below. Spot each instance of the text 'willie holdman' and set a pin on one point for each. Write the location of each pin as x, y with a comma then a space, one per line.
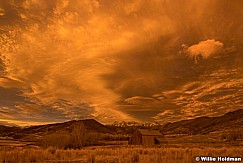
219, 159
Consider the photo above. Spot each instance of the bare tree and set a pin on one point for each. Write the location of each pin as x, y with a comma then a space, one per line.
81, 137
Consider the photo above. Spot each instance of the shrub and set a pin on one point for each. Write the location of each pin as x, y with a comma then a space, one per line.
232, 136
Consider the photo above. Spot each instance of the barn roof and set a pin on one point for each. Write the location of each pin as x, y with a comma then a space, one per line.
149, 132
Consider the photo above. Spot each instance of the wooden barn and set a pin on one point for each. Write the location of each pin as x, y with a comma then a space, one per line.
146, 137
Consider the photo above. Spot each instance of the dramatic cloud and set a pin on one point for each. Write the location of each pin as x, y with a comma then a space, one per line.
204, 49
119, 60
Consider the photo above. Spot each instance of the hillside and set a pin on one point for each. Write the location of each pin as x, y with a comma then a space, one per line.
90, 124
17, 132
204, 125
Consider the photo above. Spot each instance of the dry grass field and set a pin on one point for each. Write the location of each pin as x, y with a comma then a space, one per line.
177, 148
115, 154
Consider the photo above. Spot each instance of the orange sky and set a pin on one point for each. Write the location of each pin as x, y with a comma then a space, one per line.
157, 60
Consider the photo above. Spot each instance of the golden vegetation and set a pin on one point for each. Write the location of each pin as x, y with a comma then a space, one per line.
80, 137
130, 154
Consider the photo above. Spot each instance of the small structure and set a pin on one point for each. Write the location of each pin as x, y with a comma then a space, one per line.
146, 137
